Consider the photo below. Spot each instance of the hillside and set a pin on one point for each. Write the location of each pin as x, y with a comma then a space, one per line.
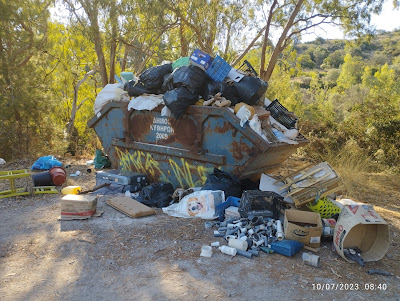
375, 51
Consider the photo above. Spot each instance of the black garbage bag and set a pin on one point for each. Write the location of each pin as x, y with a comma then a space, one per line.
156, 195
230, 92
227, 90
210, 89
225, 181
250, 89
168, 84
153, 78
191, 77
135, 88
177, 100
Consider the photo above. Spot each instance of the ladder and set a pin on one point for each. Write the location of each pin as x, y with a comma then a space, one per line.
11, 176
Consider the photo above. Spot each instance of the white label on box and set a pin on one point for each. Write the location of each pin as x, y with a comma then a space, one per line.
315, 240
202, 62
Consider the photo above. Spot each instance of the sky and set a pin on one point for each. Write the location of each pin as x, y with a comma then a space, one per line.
388, 20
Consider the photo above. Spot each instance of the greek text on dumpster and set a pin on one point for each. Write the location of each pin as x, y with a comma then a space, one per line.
161, 127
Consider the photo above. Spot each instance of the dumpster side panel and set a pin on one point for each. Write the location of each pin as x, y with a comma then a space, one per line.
151, 127
221, 138
110, 124
178, 171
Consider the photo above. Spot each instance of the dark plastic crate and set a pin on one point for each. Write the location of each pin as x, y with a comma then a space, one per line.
264, 203
218, 69
281, 114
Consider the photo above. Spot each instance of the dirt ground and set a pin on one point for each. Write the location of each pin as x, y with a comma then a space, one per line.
115, 257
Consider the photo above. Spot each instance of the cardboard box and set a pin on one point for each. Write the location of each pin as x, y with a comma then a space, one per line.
362, 227
303, 226
78, 206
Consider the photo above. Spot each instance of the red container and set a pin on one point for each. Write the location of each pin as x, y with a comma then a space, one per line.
58, 175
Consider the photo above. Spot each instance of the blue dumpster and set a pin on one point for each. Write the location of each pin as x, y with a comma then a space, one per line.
184, 151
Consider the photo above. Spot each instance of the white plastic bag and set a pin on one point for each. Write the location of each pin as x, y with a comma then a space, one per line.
111, 92
197, 204
244, 115
145, 102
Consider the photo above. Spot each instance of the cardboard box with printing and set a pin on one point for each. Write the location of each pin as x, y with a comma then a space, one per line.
303, 226
78, 206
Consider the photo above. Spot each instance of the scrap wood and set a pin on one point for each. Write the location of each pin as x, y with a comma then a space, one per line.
130, 207
311, 249
94, 189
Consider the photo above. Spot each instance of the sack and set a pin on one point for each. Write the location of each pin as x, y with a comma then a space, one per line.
197, 204
111, 92
135, 88
191, 77
153, 77
178, 100
46, 162
101, 160
156, 195
250, 89
224, 181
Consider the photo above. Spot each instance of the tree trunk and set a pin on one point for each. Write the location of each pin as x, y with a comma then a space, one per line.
184, 45
228, 40
248, 47
92, 13
75, 107
126, 52
266, 34
278, 49
113, 47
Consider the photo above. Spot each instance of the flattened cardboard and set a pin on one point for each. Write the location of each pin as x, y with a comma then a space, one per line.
361, 226
309, 236
78, 206
130, 207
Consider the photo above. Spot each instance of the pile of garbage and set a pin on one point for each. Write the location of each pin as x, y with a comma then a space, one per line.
205, 81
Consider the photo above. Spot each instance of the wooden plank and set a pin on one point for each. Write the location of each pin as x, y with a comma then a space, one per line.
290, 181
130, 207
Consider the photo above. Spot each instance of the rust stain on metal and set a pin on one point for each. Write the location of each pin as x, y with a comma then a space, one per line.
222, 130
139, 125
184, 131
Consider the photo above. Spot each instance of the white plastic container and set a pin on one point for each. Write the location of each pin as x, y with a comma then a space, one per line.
238, 244
228, 250
311, 259
206, 251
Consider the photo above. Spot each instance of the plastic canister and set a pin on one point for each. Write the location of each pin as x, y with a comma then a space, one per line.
71, 190
228, 250
238, 244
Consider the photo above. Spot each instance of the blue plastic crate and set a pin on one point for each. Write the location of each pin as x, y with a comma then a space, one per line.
287, 247
220, 209
218, 69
